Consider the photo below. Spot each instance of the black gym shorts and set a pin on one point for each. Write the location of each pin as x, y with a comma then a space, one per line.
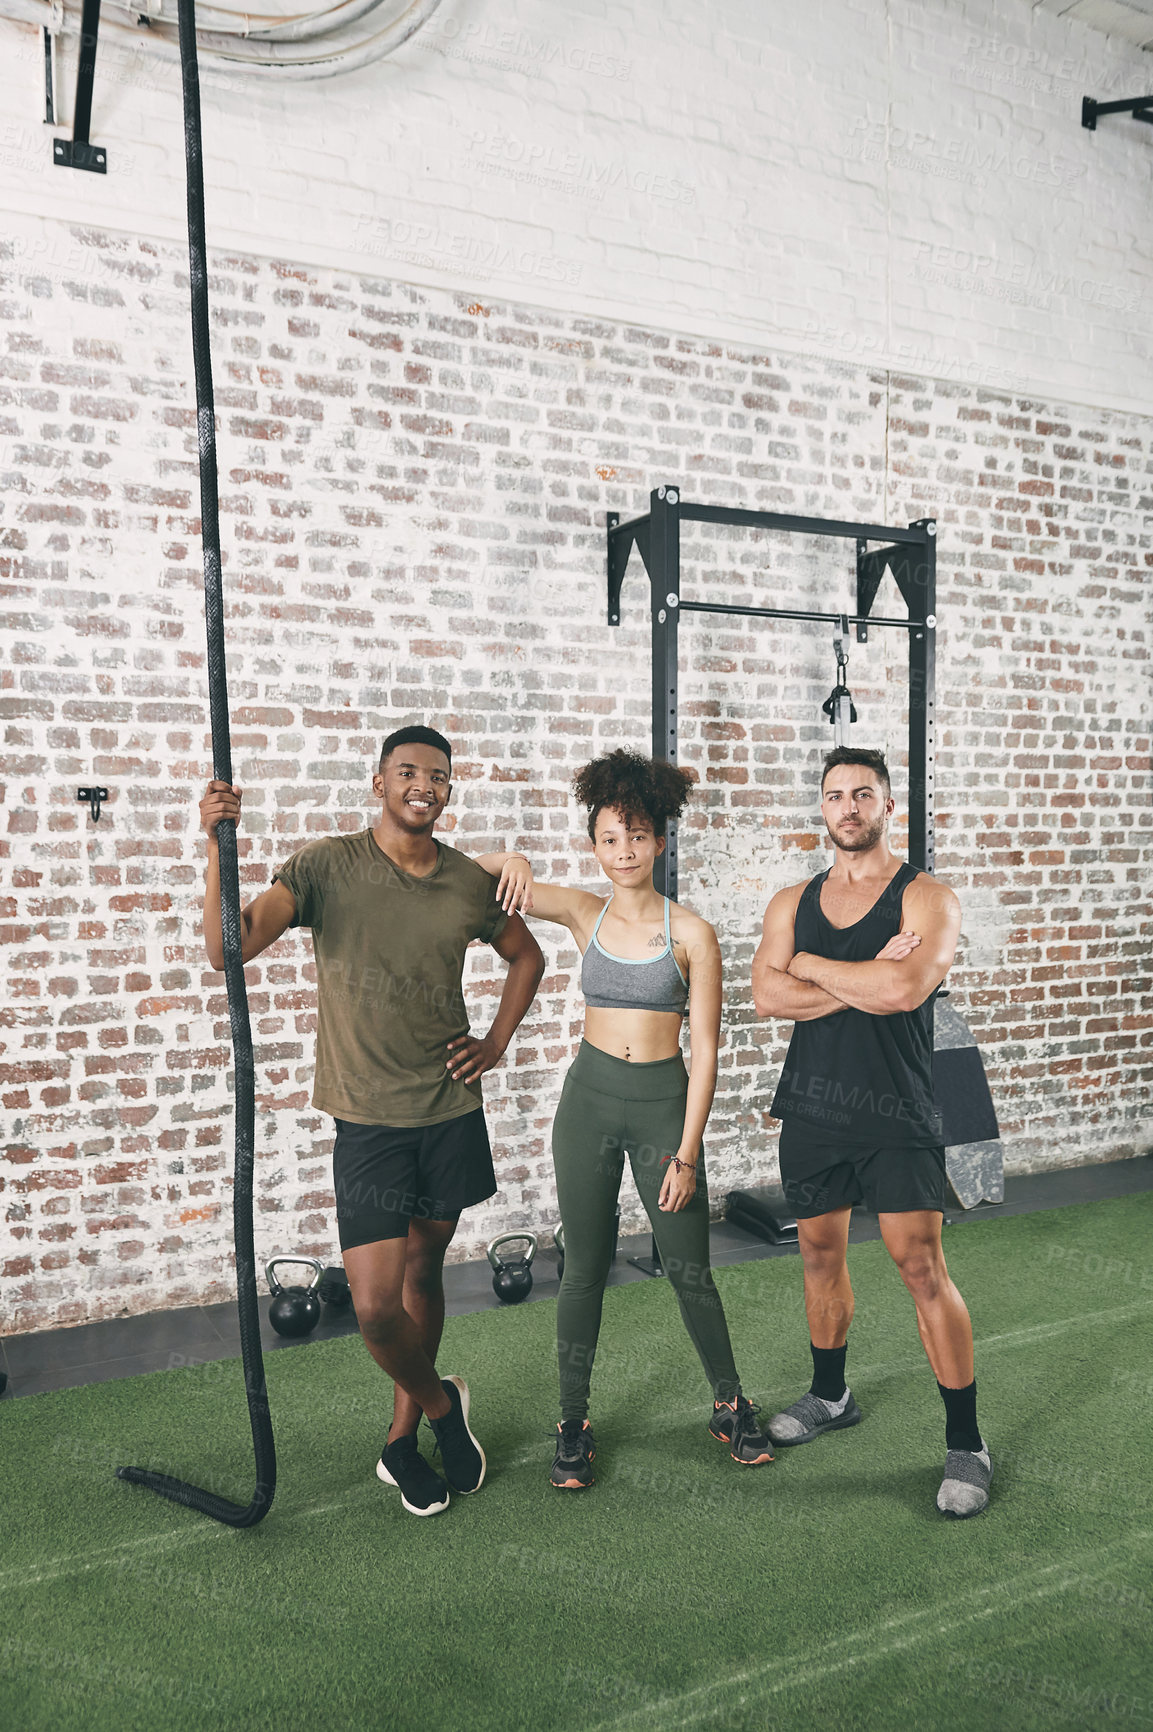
820, 1175
385, 1175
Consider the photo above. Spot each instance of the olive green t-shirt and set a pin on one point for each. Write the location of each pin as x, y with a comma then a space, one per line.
389, 953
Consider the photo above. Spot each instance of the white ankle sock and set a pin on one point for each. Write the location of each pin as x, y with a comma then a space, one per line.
836, 1408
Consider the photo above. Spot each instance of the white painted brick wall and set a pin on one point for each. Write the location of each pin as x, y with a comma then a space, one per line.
903, 184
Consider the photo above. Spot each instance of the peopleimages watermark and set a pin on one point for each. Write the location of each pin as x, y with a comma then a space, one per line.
993, 60
572, 171
1063, 1694
430, 245
970, 160
1020, 282
827, 1102
373, 987
1096, 1267
874, 349
518, 50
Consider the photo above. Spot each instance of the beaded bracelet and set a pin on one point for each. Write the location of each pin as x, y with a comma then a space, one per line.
679, 1165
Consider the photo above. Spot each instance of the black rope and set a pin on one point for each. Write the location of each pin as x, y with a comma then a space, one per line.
219, 1508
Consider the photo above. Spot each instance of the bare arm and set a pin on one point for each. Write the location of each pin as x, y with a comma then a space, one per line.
705, 979
266, 917
468, 1056
576, 909
515, 888
894, 981
776, 990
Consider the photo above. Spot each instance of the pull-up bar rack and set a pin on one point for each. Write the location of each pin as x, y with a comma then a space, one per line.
909, 553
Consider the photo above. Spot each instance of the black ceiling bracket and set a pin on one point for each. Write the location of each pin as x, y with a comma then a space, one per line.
77, 151
95, 798
1140, 107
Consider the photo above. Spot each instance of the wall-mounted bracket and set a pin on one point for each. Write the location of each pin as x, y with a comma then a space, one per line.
49, 77
77, 151
94, 797
622, 538
910, 567
1140, 107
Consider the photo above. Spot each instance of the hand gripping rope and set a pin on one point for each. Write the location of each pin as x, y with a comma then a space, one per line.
219, 1508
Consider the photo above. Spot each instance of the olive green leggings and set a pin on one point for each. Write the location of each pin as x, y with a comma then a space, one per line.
610, 1107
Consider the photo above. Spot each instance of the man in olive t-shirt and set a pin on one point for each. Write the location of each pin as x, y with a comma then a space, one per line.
392, 912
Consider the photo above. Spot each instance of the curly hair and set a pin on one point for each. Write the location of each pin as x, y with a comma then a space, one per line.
634, 785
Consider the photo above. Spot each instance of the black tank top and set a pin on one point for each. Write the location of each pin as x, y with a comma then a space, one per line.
855, 1077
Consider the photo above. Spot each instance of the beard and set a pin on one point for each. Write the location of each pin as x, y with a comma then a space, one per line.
858, 837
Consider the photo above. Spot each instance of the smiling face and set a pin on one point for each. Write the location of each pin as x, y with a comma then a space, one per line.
414, 785
855, 807
626, 847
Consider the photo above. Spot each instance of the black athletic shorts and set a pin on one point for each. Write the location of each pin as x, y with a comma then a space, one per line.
820, 1175
385, 1175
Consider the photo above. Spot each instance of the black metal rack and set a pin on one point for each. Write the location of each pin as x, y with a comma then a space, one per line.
909, 553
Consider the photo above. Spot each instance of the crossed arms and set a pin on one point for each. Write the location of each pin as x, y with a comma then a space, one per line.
801, 987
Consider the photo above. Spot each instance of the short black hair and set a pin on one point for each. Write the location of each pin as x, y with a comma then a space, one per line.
414, 736
863, 755
637, 786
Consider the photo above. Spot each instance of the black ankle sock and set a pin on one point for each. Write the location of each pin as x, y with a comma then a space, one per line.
828, 1372
961, 1428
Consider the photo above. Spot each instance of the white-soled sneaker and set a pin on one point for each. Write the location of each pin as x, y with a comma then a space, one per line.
461, 1455
422, 1491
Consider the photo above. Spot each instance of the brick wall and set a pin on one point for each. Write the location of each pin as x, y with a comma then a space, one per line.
413, 487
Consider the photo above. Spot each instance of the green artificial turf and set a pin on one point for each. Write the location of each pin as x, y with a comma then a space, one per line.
823, 1591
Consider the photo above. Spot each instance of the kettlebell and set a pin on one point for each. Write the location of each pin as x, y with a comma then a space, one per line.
512, 1281
558, 1241
334, 1291
294, 1310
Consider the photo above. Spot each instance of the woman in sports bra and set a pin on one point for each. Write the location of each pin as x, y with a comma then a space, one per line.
628, 1092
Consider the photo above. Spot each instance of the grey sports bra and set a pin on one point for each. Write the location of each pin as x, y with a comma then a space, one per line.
633, 983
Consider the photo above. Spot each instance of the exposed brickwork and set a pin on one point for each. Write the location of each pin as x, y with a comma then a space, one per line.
413, 488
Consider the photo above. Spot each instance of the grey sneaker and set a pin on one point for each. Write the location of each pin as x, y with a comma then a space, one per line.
807, 1418
965, 1487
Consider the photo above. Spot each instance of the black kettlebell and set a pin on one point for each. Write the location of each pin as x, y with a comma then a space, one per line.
294, 1310
558, 1241
334, 1291
512, 1280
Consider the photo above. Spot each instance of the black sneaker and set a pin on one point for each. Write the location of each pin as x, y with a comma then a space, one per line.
735, 1423
575, 1451
461, 1455
422, 1491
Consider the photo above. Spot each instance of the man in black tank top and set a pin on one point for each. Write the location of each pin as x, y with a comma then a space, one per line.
855, 958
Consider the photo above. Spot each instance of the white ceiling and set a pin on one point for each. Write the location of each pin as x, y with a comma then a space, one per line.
1132, 20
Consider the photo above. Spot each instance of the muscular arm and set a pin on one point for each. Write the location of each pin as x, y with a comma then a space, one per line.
470, 1056
884, 987
266, 917
777, 991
